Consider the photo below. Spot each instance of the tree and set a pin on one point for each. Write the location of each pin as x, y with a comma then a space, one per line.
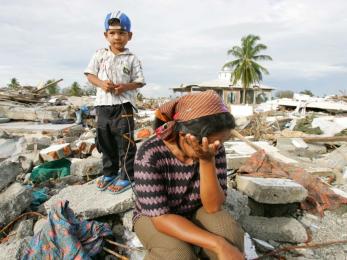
75, 89
307, 92
14, 84
245, 67
53, 89
89, 90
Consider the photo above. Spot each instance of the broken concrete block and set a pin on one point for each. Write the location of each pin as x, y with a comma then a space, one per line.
86, 167
278, 229
40, 142
85, 146
271, 190
55, 152
8, 173
13, 201
88, 202
127, 220
26, 163
236, 161
237, 204
337, 159
14, 250
96, 154
25, 229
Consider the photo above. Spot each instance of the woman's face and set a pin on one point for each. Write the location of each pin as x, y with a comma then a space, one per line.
222, 136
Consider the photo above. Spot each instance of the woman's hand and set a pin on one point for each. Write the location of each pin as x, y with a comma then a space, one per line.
226, 251
203, 151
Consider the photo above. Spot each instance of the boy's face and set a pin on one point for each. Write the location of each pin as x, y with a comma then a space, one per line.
117, 38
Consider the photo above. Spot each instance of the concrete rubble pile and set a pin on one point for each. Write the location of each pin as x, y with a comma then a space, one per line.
267, 208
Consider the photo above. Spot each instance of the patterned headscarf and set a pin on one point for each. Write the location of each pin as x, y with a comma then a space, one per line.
188, 107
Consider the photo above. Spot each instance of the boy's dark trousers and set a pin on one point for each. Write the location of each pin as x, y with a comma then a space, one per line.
114, 131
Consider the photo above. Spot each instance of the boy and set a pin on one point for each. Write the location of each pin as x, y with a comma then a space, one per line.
116, 73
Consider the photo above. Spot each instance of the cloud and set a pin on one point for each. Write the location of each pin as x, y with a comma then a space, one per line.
178, 41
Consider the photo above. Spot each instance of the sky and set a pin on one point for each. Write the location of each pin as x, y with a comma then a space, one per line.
178, 41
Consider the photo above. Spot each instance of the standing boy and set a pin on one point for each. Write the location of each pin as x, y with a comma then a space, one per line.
116, 73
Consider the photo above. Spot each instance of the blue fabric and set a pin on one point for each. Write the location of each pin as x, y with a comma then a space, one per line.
65, 237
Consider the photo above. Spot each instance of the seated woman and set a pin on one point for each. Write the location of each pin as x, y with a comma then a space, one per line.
181, 183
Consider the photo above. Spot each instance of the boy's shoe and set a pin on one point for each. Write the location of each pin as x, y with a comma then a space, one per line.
125, 184
104, 181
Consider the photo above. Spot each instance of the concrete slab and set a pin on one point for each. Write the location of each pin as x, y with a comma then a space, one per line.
271, 190
242, 148
277, 229
13, 201
89, 203
31, 127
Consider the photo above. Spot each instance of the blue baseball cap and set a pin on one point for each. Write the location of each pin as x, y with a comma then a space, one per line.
124, 20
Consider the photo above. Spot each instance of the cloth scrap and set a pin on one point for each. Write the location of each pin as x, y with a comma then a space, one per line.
65, 237
320, 196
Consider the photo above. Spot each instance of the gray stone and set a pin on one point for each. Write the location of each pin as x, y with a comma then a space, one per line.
237, 204
271, 190
278, 229
118, 230
25, 229
39, 225
8, 173
13, 201
14, 250
86, 167
26, 163
127, 220
236, 161
41, 142
88, 202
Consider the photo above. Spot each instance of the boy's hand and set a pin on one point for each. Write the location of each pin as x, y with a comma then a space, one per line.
120, 88
107, 85
203, 151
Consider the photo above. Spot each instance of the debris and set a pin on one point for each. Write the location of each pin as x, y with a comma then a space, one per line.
320, 196
86, 167
13, 201
50, 170
71, 237
85, 201
8, 172
278, 229
271, 190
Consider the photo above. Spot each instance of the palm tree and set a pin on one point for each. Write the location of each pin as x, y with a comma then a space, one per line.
245, 67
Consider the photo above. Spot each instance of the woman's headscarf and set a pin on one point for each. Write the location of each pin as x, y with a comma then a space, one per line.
188, 107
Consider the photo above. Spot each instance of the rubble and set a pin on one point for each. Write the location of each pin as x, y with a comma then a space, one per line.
279, 229
86, 167
268, 209
270, 190
14, 250
8, 172
89, 203
13, 201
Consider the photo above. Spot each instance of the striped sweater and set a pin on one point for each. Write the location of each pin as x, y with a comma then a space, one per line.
165, 185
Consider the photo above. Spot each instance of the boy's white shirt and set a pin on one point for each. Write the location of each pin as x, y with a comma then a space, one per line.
119, 68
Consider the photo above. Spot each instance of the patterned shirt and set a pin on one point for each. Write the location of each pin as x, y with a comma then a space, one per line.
119, 68
165, 185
